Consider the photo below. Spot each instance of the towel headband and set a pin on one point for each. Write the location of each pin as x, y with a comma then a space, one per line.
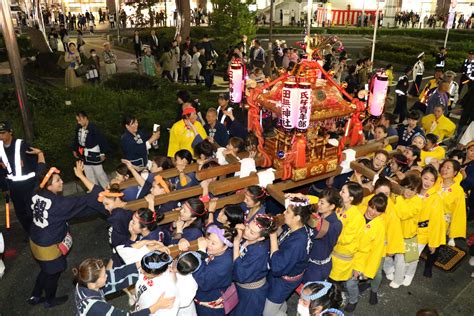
157, 265
162, 183
213, 229
51, 171
326, 287
108, 194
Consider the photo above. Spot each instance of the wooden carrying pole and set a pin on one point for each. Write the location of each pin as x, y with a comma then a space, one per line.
216, 188
222, 202
193, 245
369, 173
233, 166
233, 184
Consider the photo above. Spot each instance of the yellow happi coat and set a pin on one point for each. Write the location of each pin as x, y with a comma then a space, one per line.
393, 227
347, 244
442, 127
371, 249
182, 138
437, 152
408, 211
455, 210
432, 210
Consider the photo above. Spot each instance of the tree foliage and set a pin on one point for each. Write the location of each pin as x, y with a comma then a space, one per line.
141, 6
231, 19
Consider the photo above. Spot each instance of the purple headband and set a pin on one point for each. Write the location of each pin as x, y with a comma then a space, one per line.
213, 229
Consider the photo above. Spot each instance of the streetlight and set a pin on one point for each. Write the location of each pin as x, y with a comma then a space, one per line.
117, 17
16, 67
452, 15
268, 66
375, 31
309, 10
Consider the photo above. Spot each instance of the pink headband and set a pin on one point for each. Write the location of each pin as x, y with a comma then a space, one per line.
213, 229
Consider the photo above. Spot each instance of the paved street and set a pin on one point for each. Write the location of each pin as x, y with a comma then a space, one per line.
450, 293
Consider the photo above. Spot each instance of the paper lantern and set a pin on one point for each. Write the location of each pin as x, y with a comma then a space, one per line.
304, 108
289, 105
378, 92
236, 83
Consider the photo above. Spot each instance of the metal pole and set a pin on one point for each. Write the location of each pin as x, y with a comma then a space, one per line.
16, 67
166, 14
268, 65
375, 32
272, 3
310, 10
446, 38
363, 14
117, 17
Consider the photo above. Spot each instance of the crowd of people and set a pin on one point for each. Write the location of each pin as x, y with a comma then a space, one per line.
342, 234
412, 19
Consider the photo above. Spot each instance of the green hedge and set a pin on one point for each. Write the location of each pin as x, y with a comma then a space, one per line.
438, 34
404, 53
54, 122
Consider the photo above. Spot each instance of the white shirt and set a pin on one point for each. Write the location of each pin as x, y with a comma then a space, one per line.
149, 290
468, 135
187, 288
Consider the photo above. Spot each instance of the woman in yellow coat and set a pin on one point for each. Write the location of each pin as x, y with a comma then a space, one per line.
432, 151
407, 207
431, 225
352, 227
455, 201
395, 246
371, 250
393, 228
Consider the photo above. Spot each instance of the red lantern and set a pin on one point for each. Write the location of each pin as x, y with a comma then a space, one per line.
289, 105
236, 82
378, 93
304, 109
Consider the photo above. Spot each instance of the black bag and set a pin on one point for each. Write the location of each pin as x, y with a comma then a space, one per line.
81, 71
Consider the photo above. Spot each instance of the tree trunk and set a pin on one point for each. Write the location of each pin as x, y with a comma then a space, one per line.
202, 4
184, 11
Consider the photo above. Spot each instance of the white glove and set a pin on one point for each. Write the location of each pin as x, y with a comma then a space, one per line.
451, 242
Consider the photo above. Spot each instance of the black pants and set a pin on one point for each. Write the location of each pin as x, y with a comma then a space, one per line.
167, 74
208, 78
416, 86
138, 52
185, 76
48, 283
430, 261
21, 193
401, 108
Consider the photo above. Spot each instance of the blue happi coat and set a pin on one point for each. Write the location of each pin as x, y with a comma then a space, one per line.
321, 251
213, 277
51, 213
291, 260
249, 267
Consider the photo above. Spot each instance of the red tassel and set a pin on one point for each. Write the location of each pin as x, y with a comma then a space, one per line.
356, 134
299, 147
